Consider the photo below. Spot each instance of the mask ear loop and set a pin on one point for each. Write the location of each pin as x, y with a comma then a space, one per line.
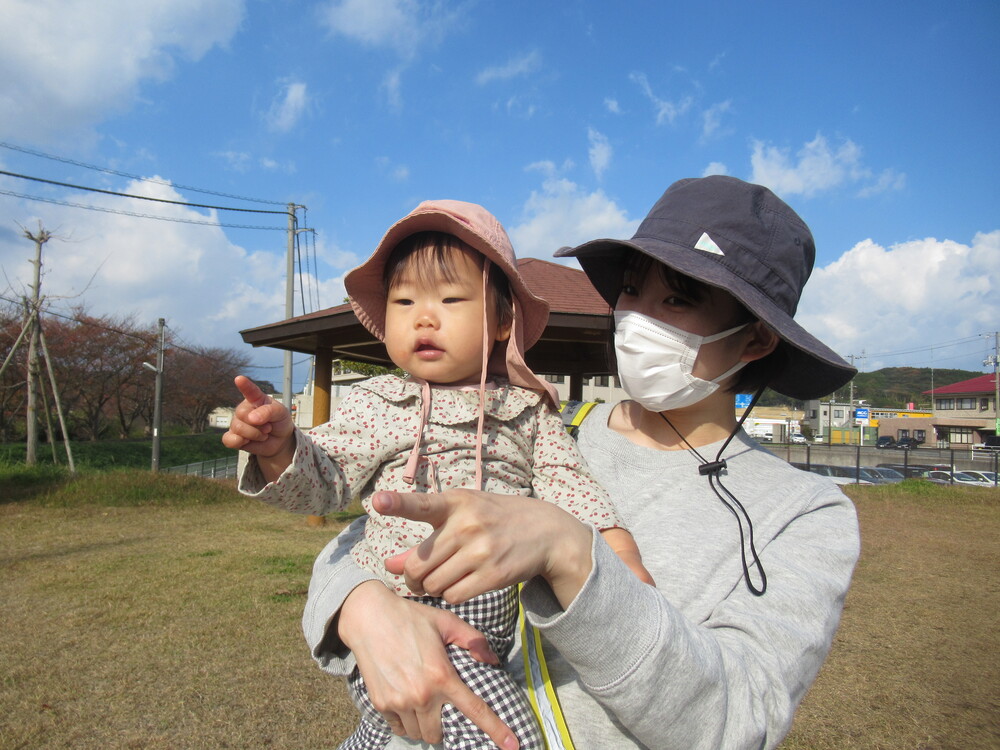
713, 470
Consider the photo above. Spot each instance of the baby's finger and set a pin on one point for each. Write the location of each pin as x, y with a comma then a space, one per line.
251, 392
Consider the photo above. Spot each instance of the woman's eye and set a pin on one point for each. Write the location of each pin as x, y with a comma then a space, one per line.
629, 290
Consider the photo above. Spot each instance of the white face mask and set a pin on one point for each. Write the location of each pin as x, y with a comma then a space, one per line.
655, 362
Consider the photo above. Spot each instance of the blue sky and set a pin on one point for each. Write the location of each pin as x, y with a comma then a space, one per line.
876, 121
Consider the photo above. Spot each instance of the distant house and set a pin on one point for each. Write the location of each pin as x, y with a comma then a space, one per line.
966, 413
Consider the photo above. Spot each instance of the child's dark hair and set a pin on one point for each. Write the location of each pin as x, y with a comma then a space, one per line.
428, 255
756, 374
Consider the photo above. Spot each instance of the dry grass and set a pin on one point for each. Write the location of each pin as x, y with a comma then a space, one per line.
178, 627
153, 627
916, 662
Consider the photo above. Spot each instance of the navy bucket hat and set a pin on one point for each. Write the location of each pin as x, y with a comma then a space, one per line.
741, 238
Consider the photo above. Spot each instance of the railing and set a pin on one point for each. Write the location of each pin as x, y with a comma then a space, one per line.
909, 462
219, 468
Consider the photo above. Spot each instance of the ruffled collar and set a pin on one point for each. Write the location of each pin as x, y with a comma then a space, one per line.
451, 406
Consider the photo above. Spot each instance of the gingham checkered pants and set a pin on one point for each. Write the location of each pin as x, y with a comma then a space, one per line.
495, 615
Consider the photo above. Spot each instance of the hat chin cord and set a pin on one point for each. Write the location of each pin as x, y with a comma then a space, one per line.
482, 379
713, 470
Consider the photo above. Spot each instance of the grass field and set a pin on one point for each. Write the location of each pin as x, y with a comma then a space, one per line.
143, 612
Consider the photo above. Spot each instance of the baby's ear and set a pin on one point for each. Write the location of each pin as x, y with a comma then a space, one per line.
503, 332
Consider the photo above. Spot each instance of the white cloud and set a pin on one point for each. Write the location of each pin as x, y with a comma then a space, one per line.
905, 297
396, 172
288, 107
517, 106
561, 213
377, 23
817, 167
393, 89
888, 180
515, 67
612, 106
69, 65
600, 152
666, 111
715, 167
204, 285
403, 26
712, 119
242, 161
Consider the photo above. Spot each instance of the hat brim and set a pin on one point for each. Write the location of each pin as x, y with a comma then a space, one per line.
365, 288
812, 370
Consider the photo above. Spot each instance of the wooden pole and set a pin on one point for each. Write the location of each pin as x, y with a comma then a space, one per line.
322, 380
31, 415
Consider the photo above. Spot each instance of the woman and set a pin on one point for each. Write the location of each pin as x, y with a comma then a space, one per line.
751, 557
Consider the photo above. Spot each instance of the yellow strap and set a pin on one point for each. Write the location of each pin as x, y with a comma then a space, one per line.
541, 692
573, 414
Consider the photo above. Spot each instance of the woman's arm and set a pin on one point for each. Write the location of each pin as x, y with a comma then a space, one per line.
403, 660
732, 679
483, 542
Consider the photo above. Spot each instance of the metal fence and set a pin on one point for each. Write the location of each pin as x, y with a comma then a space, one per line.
906, 461
219, 468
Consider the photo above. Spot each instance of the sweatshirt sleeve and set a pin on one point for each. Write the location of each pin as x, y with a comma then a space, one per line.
335, 576
733, 680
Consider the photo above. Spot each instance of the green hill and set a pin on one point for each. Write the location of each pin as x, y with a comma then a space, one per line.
892, 387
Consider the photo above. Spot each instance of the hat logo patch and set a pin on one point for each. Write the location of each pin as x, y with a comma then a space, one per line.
707, 244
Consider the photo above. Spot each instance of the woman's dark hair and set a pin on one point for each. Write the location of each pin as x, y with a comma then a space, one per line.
430, 255
755, 375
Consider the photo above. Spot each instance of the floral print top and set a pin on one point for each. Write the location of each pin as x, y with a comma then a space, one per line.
365, 447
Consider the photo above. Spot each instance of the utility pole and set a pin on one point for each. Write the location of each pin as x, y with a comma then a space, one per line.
286, 389
32, 307
994, 360
293, 231
157, 401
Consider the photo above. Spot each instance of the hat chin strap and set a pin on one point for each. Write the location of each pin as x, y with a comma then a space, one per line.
482, 380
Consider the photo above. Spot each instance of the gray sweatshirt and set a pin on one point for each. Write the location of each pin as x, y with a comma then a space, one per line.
698, 661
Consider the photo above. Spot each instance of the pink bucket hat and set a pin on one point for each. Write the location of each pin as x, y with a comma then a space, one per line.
481, 231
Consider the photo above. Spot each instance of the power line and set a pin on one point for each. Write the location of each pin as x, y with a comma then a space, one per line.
929, 347
141, 197
105, 170
150, 340
103, 209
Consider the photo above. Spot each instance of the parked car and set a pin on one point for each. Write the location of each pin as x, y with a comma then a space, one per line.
958, 477
839, 474
886, 441
887, 475
907, 443
911, 470
798, 437
988, 476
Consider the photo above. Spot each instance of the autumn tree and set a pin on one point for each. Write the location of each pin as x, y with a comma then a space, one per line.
12, 381
196, 380
98, 362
